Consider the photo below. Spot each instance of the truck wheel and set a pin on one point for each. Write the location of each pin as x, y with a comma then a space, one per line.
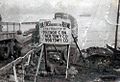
5, 52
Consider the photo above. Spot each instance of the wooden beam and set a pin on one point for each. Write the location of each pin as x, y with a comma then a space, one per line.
68, 53
15, 74
45, 56
39, 62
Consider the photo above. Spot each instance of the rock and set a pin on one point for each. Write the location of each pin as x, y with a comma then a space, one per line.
32, 63
20, 71
11, 78
72, 71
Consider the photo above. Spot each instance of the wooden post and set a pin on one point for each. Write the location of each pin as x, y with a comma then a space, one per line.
29, 59
7, 27
15, 74
13, 27
39, 61
116, 32
68, 53
23, 70
77, 46
45, 56
7, 31
19, 26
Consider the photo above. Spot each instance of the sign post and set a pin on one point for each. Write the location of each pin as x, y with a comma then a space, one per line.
68, 55
39, 61
54, 32
15, 74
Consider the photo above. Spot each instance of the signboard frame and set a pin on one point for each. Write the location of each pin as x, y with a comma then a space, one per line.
56, 32
57, 24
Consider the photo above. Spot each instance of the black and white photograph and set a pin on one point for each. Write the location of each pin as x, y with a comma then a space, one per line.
59, 40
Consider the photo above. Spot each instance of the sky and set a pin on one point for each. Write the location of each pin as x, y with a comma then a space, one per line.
37, 3
45, 7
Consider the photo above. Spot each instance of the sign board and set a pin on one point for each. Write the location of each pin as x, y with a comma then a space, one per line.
55, 32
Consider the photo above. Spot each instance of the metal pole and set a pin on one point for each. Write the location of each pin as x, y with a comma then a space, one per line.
116, 32
68, 53
39, 61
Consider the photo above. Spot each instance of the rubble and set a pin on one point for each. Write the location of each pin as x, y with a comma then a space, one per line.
72, 71
77, 71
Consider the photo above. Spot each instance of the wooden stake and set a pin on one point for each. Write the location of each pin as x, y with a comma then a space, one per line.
7, 31
15, 74
19, 26
13, 27
45, 56
68, 53
23, 69
7, 27
29, 59
39, 61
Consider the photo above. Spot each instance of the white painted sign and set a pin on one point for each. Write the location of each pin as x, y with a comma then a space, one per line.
55, 32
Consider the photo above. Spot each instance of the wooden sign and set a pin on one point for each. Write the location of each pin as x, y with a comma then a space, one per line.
55, 32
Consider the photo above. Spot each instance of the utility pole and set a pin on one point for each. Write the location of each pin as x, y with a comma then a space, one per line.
116, 32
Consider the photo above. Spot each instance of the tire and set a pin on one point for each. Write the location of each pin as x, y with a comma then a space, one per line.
5, 52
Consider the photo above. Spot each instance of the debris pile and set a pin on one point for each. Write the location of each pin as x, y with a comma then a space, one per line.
98, 62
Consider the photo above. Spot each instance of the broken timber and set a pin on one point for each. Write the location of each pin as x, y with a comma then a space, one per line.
13, 64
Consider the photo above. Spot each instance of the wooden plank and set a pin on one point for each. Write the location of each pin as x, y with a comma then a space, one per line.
9, 23
4, 69
17, 61
15, 74
29, 22
68, 52
45, 57
7, 67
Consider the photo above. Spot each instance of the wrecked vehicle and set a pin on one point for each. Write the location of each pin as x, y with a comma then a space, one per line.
97, 57
10, 44
106, 78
